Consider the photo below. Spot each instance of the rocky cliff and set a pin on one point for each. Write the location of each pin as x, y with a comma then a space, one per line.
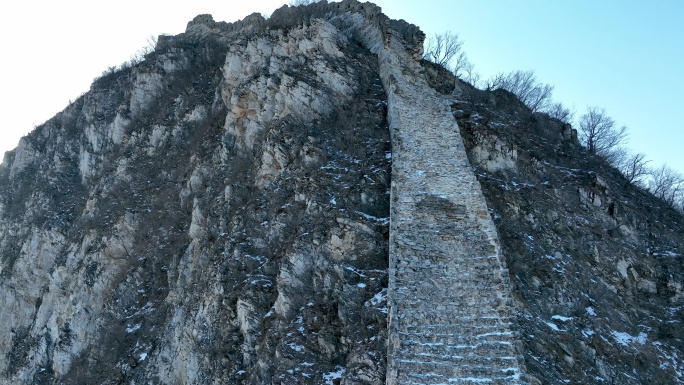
220, 213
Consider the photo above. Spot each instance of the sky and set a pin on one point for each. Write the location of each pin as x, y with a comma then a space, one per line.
625, 56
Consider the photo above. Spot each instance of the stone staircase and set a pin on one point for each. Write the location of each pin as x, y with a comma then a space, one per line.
449, 293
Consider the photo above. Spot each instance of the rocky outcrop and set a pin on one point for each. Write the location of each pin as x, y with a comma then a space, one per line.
216, 214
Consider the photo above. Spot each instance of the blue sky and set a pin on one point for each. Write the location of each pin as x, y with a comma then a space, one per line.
625, 56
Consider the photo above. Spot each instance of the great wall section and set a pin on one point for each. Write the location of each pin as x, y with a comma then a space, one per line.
450, 316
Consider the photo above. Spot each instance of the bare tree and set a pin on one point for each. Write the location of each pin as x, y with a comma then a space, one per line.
668, 185
443, 48
560, 112
633, 166
446, 49
140, 54
599, 134
524, 84
494, 82
466, 71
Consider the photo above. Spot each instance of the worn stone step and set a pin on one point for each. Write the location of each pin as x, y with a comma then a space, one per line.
459, 338
485, 352
449, 332
444, 373
441, 314
491, 306
449, 283
458, 358
456, 323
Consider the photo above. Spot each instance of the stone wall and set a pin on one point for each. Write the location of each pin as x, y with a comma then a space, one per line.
449, 293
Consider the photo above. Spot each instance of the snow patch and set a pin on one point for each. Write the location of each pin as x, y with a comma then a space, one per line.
133, 329
666, 254
378, 300
372, 218
329, 377
625, 339
295, 347
553, 326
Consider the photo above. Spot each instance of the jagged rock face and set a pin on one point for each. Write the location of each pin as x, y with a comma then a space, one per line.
216, 214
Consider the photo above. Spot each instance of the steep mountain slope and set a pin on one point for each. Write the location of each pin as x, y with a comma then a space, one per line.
216, 214
596, 264
219, 213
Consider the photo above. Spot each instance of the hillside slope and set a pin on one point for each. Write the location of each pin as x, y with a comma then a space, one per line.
596, 263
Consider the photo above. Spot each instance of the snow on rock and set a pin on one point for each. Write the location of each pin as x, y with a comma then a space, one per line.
626, 339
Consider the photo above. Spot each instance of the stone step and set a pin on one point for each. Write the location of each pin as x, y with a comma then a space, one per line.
459, 338
405, 380
440, 373
456, 358
449, 332
485, 352
408, 314
432, 290
439, 281
456, 323
458, 306
415, 277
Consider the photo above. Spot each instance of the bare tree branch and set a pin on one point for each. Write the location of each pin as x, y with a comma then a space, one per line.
632, 166
668, 185
443, 48
526, 87
598, 133
446, 49
139, 55
560, 112
465, 70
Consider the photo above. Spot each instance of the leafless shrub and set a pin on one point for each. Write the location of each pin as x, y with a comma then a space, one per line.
599, 134
443, 48
136, 58
140, 54
446, 49
524, 84
560, 112
668, 185
632, 166
466, 71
